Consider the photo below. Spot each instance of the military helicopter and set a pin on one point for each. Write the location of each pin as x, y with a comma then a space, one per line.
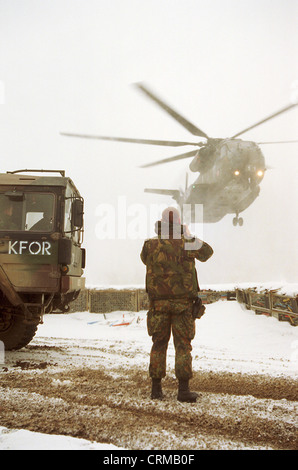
230, 169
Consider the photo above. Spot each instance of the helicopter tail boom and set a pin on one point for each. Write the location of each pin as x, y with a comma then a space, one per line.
175, 193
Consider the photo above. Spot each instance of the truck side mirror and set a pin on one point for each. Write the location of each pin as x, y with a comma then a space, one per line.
77, 213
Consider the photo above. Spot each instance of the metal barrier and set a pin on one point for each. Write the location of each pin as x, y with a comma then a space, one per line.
109, 300
267, 302
270, 303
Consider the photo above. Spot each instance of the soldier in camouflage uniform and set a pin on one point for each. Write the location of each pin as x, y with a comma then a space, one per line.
172, 286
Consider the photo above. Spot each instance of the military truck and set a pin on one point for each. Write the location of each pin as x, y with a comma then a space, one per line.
41, 254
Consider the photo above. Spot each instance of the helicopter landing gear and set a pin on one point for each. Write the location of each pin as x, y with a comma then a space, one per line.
237, 221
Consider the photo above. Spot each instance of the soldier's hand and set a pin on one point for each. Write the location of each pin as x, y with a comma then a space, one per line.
186, 231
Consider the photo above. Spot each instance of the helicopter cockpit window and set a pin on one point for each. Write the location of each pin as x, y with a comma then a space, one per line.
26, 211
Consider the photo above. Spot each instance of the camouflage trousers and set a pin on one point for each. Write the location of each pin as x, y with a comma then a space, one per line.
164, 317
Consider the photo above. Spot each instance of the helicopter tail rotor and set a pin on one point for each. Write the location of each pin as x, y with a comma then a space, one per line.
186, 182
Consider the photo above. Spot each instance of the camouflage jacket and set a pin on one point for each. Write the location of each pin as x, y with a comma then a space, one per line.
170, 262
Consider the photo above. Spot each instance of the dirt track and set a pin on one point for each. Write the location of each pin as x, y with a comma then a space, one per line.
56, 387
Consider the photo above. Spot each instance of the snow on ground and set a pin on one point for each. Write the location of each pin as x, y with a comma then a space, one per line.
229, 338
13, 439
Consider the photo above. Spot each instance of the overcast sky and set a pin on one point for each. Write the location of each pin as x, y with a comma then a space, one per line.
68, 66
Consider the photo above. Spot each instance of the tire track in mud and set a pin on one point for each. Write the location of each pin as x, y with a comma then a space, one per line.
233, 411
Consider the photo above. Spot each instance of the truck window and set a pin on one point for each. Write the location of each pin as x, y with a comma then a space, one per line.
67, 217
39, 212
69, 230
28, 211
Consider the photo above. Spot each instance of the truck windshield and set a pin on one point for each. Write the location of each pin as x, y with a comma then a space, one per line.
26, 211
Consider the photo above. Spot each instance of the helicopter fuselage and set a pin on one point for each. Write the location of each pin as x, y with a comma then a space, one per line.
230, 174
231, 169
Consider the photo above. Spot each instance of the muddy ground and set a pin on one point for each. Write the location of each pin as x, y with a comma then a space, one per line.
54, 386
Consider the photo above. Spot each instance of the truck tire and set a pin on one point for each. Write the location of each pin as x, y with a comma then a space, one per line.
15, 334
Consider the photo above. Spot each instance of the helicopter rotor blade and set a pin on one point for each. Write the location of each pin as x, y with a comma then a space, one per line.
171, 159
178, 117
166, 143
279, 142
283, 110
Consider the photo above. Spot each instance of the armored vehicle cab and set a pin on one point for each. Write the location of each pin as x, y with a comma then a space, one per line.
41, 258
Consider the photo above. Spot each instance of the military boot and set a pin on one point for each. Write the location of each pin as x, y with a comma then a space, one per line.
156, 392
184, 394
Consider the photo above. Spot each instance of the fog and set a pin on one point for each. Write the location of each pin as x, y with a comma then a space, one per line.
69, 66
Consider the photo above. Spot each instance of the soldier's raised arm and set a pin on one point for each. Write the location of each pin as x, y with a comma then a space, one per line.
197, 248
204, 253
